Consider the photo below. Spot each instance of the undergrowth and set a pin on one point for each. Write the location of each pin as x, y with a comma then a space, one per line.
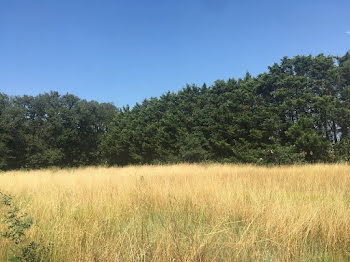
17, 224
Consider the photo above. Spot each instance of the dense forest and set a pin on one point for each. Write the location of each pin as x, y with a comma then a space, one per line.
298, 111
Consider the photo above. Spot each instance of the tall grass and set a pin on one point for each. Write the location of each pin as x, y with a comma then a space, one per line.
187, 212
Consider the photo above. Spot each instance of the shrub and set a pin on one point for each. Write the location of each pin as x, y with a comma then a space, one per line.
17, 225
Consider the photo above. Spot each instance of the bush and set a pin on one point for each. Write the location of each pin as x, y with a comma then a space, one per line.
282, 155
17, 225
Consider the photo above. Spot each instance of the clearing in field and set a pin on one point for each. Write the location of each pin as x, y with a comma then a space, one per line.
185, 213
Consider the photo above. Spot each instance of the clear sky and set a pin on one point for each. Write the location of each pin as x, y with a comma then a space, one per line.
123, 51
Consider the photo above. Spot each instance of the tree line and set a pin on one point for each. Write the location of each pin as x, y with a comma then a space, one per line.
298, 111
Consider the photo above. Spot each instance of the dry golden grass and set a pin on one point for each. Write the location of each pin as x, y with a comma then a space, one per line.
187, 212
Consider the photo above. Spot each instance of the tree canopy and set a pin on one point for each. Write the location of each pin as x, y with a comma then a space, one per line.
297, 111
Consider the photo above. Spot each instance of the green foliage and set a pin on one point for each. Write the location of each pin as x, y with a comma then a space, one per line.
282, 155
300, 108
51, 130
192, 149
342, 150
297, 112
17, 225
304, 137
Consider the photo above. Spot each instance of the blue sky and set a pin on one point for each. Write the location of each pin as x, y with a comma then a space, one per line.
125, 51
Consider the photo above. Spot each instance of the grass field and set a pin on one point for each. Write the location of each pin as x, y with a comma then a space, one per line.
186, 212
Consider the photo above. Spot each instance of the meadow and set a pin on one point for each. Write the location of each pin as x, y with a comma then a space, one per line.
185, 212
